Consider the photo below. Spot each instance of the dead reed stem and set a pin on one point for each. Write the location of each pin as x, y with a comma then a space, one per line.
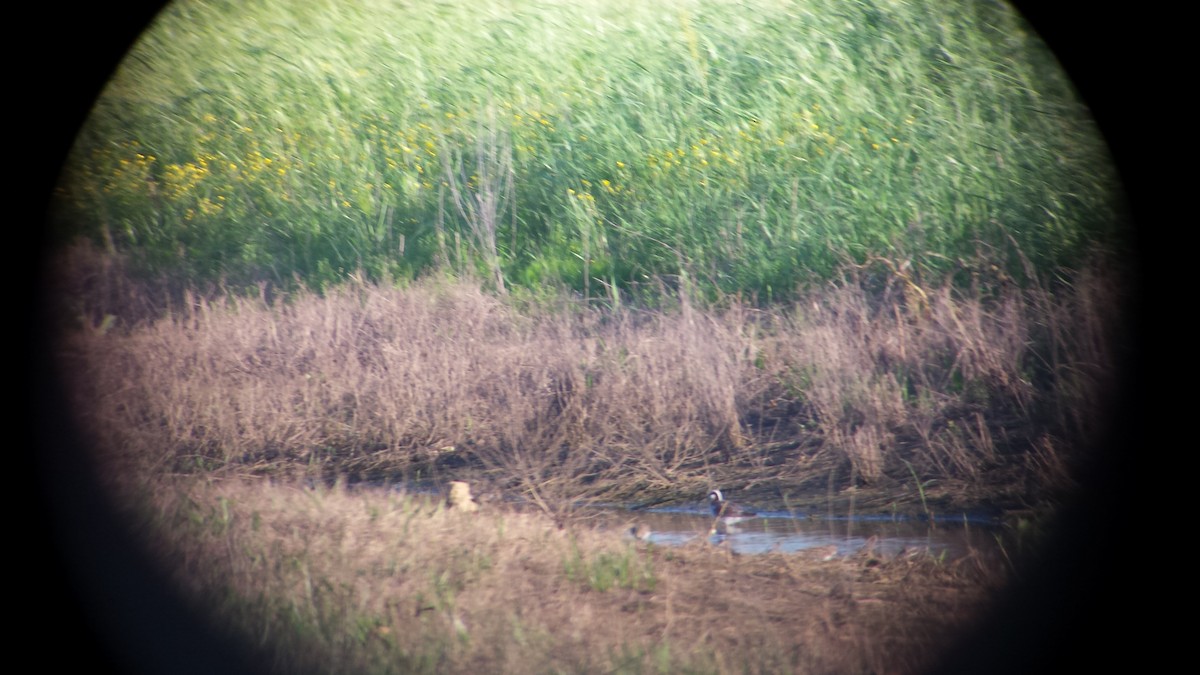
561, 400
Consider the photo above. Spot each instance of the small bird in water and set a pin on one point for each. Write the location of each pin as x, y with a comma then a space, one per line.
727, 511
641, 531
824, 553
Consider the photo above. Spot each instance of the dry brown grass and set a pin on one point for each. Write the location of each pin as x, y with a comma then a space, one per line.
210, 416
967, 391
337, 580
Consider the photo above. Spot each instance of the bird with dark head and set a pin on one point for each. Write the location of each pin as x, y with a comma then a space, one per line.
726, 510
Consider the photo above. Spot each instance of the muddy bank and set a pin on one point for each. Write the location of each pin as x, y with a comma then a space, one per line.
378, 578
816, 497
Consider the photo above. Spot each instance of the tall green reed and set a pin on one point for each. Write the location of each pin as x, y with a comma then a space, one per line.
747, 147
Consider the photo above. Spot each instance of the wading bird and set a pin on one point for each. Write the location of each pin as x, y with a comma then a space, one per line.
641, 531
728, 512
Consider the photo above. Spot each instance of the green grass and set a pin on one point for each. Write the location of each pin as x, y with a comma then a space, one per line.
622, 569
741, 146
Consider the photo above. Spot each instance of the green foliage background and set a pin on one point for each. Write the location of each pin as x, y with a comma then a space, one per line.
746, 146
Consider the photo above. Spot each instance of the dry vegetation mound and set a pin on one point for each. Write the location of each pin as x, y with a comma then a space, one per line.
954, 397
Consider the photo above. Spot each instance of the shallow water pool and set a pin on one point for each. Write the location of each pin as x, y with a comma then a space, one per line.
788, 533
